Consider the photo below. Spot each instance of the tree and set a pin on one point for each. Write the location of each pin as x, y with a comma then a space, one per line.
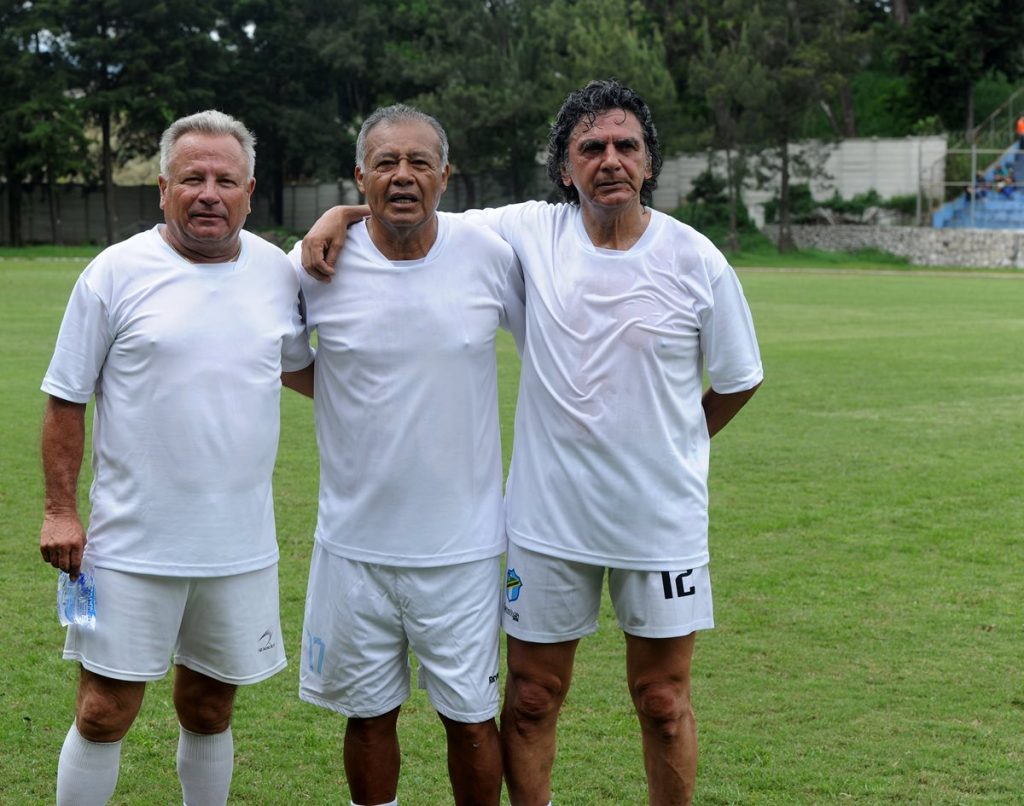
282, 86
588, 39
491, 94
40, 132
842, 49
734, 84
15, 89
949, 45
493, 71
135, 66
794, 43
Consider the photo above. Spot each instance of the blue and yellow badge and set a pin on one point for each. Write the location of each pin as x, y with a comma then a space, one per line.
513, 584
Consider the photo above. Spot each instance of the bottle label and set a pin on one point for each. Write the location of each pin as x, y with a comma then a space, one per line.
76, 600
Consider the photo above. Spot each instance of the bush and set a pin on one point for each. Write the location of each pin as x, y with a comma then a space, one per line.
707, 210
804, 209
281, 237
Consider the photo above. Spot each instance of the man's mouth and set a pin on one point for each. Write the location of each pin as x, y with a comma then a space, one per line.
403, 198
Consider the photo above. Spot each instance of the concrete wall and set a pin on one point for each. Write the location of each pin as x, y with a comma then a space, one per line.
892, 166
922, 246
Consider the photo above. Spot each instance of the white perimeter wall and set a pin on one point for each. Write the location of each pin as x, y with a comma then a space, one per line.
892, 166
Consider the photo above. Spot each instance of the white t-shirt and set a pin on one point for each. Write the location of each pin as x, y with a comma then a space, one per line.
610, 460
185, 363
406, 397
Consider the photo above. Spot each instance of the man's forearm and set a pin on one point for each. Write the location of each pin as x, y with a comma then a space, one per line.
63, 445
300, 381
720, 408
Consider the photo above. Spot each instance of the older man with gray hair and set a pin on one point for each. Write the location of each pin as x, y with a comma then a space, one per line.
181, 334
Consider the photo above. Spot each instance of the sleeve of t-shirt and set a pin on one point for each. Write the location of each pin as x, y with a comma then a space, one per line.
513, 316
731, 354
509, 221
83, 342
296, 352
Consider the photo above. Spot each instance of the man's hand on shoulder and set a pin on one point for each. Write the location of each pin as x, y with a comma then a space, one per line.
322, 244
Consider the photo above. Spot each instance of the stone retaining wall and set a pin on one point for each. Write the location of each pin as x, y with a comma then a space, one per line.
922, 246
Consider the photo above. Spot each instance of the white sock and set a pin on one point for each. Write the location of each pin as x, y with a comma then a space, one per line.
87, 771
205, 763
389, 803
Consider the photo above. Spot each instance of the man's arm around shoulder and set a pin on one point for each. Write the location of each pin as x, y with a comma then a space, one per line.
322, 244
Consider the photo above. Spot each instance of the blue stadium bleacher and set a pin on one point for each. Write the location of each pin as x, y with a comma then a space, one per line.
993, 210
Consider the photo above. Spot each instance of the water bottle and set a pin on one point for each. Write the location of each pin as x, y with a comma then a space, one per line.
76, 599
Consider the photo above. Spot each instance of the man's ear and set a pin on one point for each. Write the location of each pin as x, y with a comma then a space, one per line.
566, 179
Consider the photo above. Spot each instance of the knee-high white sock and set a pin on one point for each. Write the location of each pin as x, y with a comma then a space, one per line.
87, 771
205, 762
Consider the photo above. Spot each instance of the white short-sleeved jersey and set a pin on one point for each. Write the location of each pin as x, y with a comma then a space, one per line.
185, 363
406, 397
610, 460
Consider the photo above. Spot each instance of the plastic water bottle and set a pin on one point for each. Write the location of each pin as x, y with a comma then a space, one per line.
76, 600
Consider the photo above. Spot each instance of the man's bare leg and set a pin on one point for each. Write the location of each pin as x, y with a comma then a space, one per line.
474, 762
538, 682
658, 672
372, 758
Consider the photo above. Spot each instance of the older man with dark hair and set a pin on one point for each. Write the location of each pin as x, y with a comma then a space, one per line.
625, 310
410, 530
181, 334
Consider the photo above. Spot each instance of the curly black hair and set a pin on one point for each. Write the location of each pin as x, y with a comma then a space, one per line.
586, 104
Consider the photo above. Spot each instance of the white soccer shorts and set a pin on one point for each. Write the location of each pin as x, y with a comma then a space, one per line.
227, 628
362, 619
548, 600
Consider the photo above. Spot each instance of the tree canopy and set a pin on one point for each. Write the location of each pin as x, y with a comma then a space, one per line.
743, 76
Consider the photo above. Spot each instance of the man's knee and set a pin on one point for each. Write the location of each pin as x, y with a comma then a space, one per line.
534, 698
470, 735
204, 705
664, 707
106, 708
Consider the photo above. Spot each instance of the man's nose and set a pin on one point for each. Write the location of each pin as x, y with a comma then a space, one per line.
403, 171
209, 193
611, 158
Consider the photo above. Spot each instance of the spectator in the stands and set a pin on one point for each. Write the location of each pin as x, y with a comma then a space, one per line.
978, 189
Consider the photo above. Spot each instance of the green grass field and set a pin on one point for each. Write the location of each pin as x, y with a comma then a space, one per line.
867, 526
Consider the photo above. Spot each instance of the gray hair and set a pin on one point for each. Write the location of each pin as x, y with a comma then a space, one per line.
209, 121
398, 113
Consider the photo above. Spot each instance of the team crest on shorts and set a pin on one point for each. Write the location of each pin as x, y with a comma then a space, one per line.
513, 584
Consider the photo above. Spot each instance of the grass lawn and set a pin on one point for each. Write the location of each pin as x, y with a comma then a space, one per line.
867, 519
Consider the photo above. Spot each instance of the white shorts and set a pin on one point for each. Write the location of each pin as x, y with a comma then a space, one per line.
227, 628
548, 600
362, 619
